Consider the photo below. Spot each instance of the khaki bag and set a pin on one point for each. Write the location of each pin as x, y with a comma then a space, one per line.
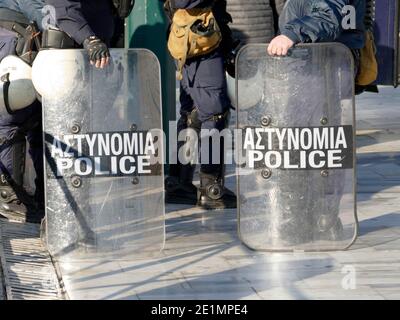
368, 64
194, 32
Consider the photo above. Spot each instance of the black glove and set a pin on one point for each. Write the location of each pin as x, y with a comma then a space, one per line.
97, 50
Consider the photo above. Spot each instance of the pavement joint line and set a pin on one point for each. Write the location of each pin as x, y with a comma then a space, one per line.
28, 269
5, 281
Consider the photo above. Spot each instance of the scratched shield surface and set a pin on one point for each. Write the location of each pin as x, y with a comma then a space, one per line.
100, 215
303, 209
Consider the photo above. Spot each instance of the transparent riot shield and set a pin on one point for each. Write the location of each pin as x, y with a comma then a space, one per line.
103, 150
295, 148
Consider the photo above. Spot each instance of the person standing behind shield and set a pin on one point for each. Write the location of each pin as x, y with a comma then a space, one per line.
20, 111
205, 105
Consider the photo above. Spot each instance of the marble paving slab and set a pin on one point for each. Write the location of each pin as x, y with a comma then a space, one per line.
204, 259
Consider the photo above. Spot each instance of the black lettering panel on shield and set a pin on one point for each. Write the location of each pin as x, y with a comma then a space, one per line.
111, 154
311, 148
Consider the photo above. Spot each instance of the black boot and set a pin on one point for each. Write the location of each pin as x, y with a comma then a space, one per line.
179, 187
213, 195
17, 205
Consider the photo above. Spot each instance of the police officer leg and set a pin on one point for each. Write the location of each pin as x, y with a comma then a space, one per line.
212, 193
15, 202
12, 163
35, 140
179, 185
209, 92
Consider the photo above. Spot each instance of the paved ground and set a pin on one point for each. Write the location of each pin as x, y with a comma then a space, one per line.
2, 264
28, 271
204, 258
378, 121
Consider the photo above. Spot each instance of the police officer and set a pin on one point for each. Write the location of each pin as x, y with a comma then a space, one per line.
306, 21
90, 23
25, 124
204, 105
313, 21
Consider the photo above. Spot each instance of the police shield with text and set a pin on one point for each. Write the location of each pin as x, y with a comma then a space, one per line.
296, 173
20, 111
102, 123
296, 110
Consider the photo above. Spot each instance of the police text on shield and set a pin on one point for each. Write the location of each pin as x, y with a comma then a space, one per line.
299, 148
103, 154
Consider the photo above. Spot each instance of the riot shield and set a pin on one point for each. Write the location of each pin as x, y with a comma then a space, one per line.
295, 148
103, 149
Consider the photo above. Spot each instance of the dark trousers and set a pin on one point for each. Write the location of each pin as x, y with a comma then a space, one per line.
203, 89
25, 125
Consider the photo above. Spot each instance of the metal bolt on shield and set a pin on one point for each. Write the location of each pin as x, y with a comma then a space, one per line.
266, 173
266, 121
324, 121
76, 128
76, 182
325, 173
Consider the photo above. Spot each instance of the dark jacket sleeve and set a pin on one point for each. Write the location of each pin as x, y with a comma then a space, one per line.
32, 10
69, 18
189, 4
324, 24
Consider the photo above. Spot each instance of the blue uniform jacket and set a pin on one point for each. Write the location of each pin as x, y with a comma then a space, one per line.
81, 19
323, 23
31, 9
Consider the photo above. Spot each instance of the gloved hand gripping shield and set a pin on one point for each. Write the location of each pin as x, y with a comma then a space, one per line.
295, 148
104, 154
